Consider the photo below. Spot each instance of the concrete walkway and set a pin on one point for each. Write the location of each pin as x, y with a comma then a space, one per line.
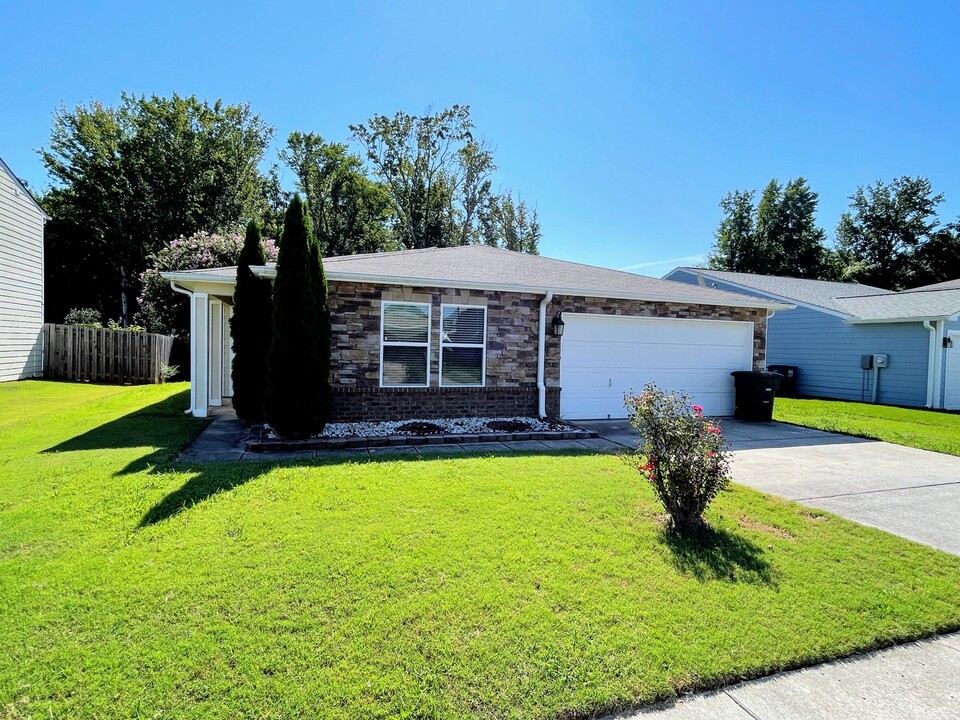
225, 437
916, 681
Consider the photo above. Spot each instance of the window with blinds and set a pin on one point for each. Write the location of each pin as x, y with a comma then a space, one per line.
405, 344
463, 342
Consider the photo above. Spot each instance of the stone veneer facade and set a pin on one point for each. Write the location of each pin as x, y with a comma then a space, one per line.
511, 363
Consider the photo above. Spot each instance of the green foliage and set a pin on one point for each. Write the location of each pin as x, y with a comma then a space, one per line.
438, 176
351, 214
399, 588
510, 225
937, 259
682, 454
887, 224
168, 372
118, 325
297, 397
251, 327
167, 312
778, 236
86, 317
129, 179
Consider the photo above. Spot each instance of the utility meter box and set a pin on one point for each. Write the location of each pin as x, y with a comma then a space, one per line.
866, 362
880, 360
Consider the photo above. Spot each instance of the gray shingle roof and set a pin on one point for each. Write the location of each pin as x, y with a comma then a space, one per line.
947, 285
859, 302
819, 293
479, 266
909, 304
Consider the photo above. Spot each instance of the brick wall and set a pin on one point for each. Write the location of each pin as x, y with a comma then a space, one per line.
511, 377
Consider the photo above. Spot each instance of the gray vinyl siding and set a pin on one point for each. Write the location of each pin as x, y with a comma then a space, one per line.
21, 283
827, 352
954, 355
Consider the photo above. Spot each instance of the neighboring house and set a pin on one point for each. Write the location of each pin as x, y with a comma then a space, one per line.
21, 279
835, 324
475, 330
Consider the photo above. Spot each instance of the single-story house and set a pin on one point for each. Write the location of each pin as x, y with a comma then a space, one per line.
479, 331
21, 279
837, 324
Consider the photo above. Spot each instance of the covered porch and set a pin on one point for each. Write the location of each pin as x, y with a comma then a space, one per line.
210, 293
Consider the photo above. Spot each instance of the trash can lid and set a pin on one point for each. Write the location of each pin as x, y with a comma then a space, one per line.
754, 373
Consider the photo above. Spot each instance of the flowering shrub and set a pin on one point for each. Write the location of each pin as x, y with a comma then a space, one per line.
164, 311
681, 453
84, 317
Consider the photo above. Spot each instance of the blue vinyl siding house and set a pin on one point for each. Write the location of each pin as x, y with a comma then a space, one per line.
834, 324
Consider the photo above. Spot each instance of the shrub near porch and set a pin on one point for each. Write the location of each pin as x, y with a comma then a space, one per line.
524, 586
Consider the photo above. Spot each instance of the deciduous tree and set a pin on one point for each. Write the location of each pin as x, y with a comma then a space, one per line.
885, 225
130, 178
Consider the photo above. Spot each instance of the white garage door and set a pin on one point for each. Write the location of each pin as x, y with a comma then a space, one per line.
604, 356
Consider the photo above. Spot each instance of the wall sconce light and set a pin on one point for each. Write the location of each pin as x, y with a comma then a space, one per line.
948, 342
558, 324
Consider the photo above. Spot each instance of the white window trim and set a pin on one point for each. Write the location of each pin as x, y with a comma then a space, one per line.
425, 345
482, 346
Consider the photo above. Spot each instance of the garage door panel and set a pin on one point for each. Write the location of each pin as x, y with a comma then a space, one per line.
603, 357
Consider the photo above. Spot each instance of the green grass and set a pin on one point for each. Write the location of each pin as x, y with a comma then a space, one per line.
523, 586
922, 429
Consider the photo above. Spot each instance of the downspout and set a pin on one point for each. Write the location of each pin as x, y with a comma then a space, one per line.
766, 337
931, 361
176, 288
938, 368
541, 350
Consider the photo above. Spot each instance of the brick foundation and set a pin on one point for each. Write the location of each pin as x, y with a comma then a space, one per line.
373, 404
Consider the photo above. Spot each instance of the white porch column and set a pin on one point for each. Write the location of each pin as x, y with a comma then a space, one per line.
199, 361
216, 352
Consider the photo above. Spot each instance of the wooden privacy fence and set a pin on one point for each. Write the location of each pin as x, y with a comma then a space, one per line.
71, 352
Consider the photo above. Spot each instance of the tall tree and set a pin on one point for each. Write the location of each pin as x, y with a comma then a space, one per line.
510, 224
295, 400
351, 213
734, 247
251, 327
436, 171
777, 237
937, 259
884, 227
130, 178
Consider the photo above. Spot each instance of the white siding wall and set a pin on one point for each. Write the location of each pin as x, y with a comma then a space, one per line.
21, 283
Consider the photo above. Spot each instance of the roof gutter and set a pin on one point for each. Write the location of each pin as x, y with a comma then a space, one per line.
541, 351
879, 321
270, 272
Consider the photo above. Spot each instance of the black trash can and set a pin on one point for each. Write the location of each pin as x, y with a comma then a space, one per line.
788, 386
755, 394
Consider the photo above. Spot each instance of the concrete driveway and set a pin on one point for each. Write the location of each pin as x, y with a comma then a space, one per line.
913, 493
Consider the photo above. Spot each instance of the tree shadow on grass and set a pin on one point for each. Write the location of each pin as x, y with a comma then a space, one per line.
717, 554
161, 426
208, 481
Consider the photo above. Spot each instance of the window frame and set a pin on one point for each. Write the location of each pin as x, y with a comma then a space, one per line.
393, 343
482, 346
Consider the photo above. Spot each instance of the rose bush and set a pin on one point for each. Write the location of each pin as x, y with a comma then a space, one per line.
681, 453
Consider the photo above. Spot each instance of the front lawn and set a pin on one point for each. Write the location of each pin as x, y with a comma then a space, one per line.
922, 429
523, 586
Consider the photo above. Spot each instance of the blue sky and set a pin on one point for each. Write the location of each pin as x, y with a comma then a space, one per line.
623, 123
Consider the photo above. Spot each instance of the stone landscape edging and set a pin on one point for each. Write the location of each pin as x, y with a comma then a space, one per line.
268, 445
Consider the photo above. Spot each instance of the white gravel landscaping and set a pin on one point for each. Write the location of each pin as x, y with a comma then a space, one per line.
448, 426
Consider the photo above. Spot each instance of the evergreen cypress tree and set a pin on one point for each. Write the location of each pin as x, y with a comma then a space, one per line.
294, 398
251, 328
